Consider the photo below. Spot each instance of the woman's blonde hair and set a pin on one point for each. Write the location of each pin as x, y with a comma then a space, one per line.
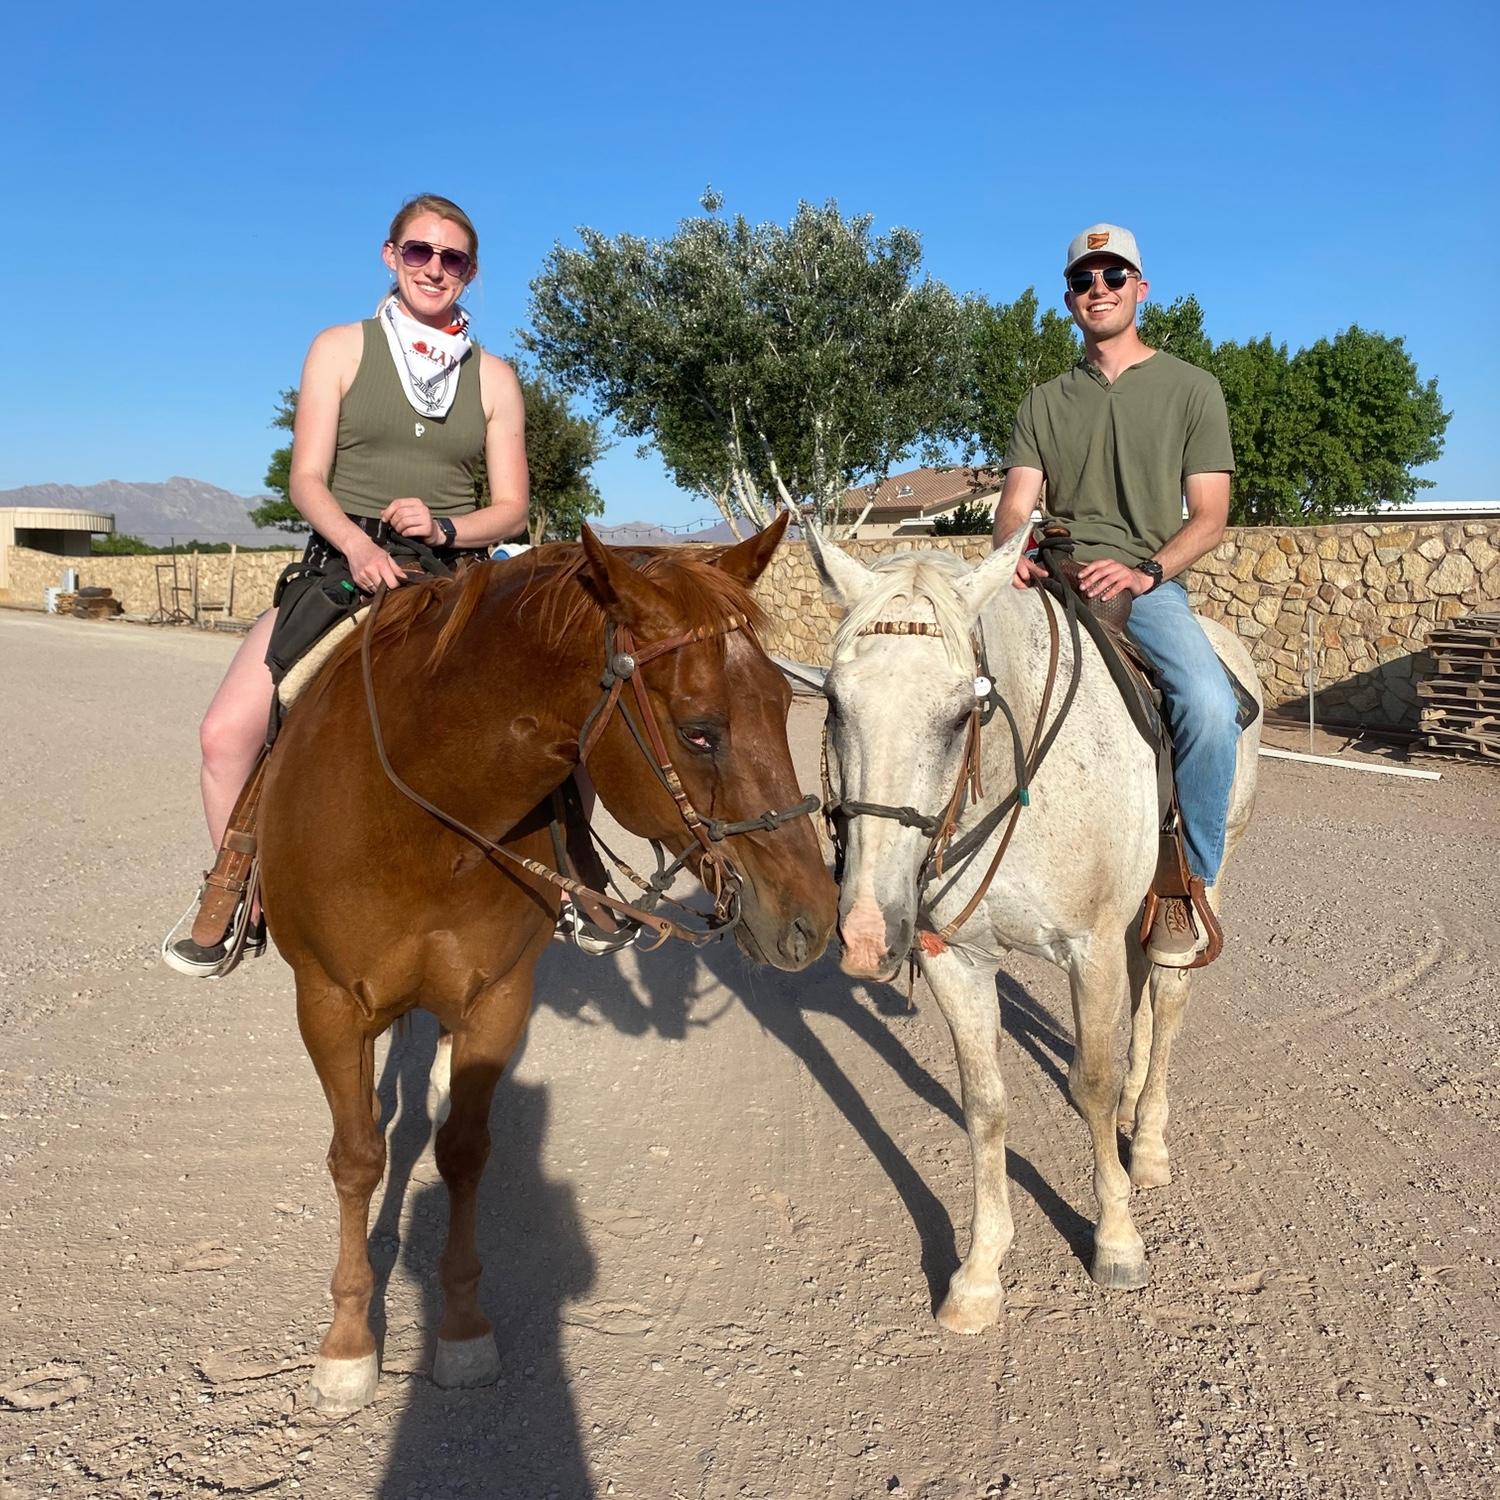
444, 208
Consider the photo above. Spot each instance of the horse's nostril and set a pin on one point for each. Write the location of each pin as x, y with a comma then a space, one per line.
800, 941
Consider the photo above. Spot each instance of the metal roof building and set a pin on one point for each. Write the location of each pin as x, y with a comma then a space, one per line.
65, 532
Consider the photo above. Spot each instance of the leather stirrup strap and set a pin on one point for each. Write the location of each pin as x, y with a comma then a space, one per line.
1174, 882
226, 885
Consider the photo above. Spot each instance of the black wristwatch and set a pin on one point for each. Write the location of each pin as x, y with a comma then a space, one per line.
1152, 569
450, 534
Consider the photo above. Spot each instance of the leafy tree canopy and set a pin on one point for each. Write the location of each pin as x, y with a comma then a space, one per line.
1012, 347
1334, 428
561, 448
120, 544
972, 518
280, 511
770, 365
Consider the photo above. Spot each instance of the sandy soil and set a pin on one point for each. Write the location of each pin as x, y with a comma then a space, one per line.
722, 1200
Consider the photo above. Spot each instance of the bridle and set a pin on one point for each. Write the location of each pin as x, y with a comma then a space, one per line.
942, 849
623, 659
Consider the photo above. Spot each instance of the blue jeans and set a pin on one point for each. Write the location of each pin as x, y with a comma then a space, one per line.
1200, 710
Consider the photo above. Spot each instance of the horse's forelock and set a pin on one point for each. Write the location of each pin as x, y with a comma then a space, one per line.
899, 580
702, 596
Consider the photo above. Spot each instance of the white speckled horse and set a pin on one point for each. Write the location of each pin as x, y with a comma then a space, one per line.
901, 690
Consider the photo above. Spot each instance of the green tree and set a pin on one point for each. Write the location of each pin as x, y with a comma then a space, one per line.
120, 543
1369, 419
1331, 429
561, 448
770, 365
1011, 349
281, 512
972, 518
1178, 329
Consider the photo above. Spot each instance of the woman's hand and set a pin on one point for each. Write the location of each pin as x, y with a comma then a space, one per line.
370, 565
410, 517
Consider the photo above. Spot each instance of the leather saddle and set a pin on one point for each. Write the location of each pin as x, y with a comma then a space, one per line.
1107, 621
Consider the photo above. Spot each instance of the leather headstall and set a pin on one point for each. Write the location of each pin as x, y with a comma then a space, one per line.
623, 660
968, 789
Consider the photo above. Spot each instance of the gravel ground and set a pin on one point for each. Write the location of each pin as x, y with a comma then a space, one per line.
722, 1200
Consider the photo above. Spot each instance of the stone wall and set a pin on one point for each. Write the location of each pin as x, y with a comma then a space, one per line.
1373, 592
133, 580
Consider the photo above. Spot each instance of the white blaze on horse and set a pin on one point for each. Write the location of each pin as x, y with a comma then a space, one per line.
921, 634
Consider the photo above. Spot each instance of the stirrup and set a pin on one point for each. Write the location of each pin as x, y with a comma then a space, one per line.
245, 939
576, 930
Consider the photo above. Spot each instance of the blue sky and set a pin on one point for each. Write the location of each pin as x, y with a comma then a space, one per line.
197, 190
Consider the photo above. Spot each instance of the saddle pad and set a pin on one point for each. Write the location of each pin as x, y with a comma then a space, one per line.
307, 666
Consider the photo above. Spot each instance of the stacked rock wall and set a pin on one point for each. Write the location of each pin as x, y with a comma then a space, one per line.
134, 579
1372, 591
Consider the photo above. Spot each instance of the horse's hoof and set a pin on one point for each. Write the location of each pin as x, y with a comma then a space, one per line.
1120, 1272
1149, 1169
466, 1362
967, 1312
344, 1384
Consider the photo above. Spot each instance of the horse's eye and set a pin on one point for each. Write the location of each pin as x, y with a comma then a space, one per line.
698, 739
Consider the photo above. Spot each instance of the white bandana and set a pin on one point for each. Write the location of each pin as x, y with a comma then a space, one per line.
428, 360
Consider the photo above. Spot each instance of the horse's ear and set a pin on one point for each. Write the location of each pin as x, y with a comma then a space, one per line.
747, 560
995, 572
626, 594
844, 580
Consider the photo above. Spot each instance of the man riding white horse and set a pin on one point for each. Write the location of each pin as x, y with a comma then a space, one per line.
1120, 441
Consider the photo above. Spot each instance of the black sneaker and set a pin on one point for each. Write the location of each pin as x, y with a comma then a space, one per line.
576, 929
193, 959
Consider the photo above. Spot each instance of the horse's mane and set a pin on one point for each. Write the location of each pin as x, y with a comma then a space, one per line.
904, 579
702, 596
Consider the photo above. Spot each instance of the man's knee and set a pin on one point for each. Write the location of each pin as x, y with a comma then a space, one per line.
1204, 708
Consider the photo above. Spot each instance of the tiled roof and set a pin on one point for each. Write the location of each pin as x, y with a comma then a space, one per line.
925, 490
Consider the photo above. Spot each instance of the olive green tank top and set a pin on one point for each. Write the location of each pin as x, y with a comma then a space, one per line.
385, 451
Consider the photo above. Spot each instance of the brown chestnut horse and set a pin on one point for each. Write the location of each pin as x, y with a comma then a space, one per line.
483, 685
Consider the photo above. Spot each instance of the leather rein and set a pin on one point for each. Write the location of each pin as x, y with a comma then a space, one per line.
969, 787
622, 662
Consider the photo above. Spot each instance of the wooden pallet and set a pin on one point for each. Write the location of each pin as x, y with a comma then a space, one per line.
1461, 701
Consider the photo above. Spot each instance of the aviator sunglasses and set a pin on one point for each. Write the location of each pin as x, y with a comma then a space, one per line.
1079, 282
416, 253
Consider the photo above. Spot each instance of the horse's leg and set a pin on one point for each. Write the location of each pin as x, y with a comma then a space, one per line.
440, 1081
966, 996
1138, 970
466, 1353
347, 1369
1098, 976
1149, 1164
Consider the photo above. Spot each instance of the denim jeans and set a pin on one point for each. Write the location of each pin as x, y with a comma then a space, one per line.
1200, 710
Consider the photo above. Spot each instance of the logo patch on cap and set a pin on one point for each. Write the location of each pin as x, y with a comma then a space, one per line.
1098, 241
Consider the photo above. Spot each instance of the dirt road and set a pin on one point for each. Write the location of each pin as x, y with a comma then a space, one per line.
721, 1200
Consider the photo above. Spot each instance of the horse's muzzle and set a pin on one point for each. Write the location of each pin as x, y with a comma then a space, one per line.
874, 943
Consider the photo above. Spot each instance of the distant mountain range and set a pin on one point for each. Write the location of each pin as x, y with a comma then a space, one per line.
184, 509
191, 510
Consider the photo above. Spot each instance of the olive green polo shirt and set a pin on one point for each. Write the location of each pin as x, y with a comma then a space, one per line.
1116, 456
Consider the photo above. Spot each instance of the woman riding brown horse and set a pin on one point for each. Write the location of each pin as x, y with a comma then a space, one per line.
483, 687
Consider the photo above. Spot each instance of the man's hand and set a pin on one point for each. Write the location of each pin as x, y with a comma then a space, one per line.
1104, 578
1026, 572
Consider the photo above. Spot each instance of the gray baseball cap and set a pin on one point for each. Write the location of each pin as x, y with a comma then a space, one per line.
1103, 239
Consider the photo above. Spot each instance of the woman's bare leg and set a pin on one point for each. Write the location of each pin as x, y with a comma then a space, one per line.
234, 728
